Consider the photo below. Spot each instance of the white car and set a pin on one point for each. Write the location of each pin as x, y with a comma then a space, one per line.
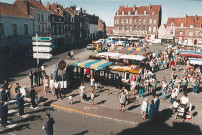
90, 47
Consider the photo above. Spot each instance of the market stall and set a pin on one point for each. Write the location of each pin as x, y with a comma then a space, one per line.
195, 61
120, 48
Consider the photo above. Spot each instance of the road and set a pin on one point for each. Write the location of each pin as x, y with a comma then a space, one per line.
71, 124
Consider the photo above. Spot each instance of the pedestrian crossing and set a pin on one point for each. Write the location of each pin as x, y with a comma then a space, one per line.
14, 112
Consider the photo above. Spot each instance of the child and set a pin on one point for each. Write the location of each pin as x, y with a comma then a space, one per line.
175, 106
70, 99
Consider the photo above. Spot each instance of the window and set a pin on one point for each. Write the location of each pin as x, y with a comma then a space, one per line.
149, 28
14, 27
53, 18
130, 21
201, 34
135, 12
172, 24
181, 32
154, 21
154, 29
126, 21
145, 12
191, 33
1, 29
191, 26
143, 28
122, 21
144, 20
117, 21
58, 28
117, 13
135, 28
62, 28
135, 20
140, 20
42, 28
180, 38
122, 12
171, 31
129, 13
126, 28
201, 25
42, 18
182, 24
38, 17
39, 29
150, 21
130, 28
139, 28
122, 28
25, 29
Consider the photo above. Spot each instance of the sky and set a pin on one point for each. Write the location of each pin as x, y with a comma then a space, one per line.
106, 9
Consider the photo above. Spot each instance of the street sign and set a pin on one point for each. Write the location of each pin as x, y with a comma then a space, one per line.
41, 49
42, 55
42, 43
62, 65
42, 38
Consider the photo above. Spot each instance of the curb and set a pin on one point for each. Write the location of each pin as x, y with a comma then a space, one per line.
94, 115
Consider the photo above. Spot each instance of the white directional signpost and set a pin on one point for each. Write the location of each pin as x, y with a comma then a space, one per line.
41, 48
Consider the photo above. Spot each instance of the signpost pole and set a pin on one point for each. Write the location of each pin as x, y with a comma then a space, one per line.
62, 83
37, 59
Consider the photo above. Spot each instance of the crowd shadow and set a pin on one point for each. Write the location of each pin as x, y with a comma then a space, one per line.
82, 133
16, 128
101, 102
162, 126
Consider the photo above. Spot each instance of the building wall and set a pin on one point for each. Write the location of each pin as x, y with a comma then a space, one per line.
93, 30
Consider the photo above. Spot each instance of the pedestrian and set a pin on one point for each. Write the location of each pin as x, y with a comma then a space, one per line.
7, 87
173, 96
49, 124
70, 99
92, 98
154, 85
57, 87
45, 83
42, 70
152, 111
157, 103
195, 84
20, 103
164, 90
72, 55
184, 100
36, 77
3, 113
31, 77
82, 91
132, 87
141, 88
40, 77
92, 84
17, 88
122, 100
175, 106
185, 84
51, 85
147, 85
4, 96
32, 95
144, 108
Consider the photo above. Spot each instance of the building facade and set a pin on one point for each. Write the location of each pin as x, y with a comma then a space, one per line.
16, 30
186, 30
142, 21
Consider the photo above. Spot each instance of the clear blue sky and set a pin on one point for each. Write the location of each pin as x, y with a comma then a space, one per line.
107, 8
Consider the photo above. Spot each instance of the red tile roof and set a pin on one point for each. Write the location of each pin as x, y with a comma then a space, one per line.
196, 21
11, 10
140, 10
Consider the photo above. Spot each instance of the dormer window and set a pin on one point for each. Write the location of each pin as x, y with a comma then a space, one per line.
135, 12
172, 24
144, 12
191, 26
153, 13
117, 13
122, 12
182, 24
129, 13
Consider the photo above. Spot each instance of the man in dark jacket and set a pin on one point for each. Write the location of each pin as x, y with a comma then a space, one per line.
7, 88
49, 124
3, 113
20, 103
31, 77
36, 77
32, 95
4, 95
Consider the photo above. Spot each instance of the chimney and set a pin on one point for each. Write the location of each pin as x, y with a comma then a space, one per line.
134, 7
48, 5
27, 6
150, 7
196, 18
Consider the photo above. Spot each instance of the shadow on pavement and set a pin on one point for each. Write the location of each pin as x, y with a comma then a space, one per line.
163, 127
17, 128
82, 133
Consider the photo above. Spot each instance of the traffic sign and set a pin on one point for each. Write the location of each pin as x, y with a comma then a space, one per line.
62, 65
42, 43
42, 55
41, 49
42, 38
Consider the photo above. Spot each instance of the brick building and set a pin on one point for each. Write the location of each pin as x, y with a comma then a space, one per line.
142, 21
110, 30
186, 30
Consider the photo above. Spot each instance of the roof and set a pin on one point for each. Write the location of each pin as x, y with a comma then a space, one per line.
140, 10
12, 10
71, 11
187, 21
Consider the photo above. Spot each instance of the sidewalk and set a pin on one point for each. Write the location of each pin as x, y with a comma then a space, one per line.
106, 103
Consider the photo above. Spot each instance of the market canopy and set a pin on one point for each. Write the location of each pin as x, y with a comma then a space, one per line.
109, 54
94, 64
129, 52
132, 57
191, 52
121, 48
195, 61
192, 55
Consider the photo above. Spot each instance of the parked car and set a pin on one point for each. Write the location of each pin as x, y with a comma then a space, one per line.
90, 47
